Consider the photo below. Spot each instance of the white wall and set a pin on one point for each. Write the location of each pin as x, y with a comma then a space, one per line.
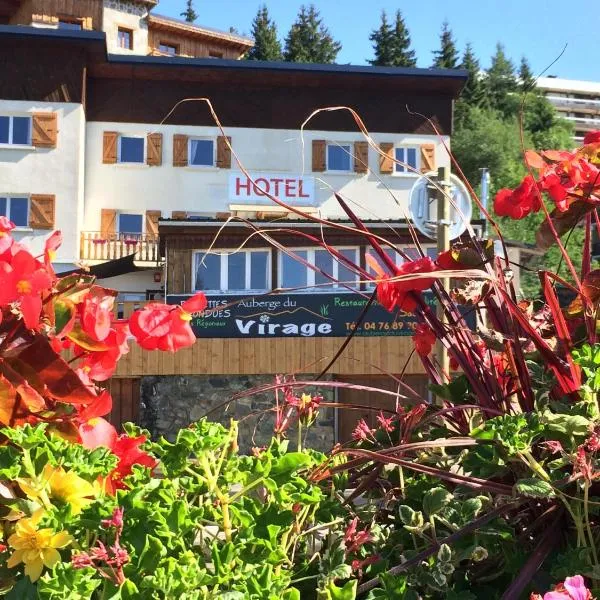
205, 190
130, 15
137, 282
57, 171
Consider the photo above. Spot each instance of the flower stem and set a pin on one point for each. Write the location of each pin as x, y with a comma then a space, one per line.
586, 489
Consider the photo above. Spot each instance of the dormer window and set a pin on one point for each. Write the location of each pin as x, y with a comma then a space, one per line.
125, 38
169, 49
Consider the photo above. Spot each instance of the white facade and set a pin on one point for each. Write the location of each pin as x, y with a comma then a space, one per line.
206, 190
26, 170
576, 101
129, 16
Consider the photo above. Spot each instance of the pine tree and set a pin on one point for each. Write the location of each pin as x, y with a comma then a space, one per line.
308, 40
403, 55
383, 43
264, 32
189, 14
473, 93
447, 56
501, 83
526, 78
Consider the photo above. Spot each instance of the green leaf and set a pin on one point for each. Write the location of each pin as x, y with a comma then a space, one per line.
64, 313
291, 594
151, 555
81, 338
346, 592
23, 590
435, 499
470, 508
568, 424
289, 463
444, 553
127, 591
533, 488
407, 514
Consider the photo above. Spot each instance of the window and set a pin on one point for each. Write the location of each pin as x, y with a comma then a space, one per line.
294, 274
15, 130
73, 24
240, 271
411, 252
213, 54
169, 49
131, 224
125, 38
338, 157
202, 153
131, 149
16, 208
408, 155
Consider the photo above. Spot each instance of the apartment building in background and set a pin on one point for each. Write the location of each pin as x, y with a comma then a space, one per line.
149, 193
576, 101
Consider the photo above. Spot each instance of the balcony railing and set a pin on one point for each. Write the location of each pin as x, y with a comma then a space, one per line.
575, 104
99, 246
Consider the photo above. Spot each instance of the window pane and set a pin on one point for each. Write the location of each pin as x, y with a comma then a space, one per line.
168, 49
411, 253
130, 223
4, 124
69, 25
259, 263
132, 150
21, 130
323, 261
18, 211
236, 271
3, 207
338, 158
201, 152
208, 272
293, 273
400, 155
344, 273
411, 157
125, 40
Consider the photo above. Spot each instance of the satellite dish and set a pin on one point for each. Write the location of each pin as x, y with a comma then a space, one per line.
422, 206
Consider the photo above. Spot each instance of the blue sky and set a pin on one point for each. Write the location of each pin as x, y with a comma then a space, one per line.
539, 29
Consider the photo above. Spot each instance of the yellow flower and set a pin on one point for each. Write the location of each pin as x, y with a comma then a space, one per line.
59, 484
34, 547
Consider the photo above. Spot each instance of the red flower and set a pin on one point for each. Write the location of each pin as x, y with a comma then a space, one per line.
400, 294
6, 240
162, 327
591, 137
362, 431
385, 423
355, 538
23, 281
96, 314
424, 339
100, 365
520, 202
51, 246
553, 445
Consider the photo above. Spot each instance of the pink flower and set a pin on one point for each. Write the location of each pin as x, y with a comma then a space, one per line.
362, 431
573, 588
553, 445
385, 423
355, 538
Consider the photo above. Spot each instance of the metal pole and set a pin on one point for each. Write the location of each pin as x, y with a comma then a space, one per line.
485, 192
443, 244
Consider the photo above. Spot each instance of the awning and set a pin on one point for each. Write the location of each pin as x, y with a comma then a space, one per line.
110, 268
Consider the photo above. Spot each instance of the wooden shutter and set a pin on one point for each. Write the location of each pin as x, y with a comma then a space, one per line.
41, 211
223, 152
427, 158
386, 162
154, 149
109, 147
152, 217
180, 215
180, 150
108, 223
361, 157
44, 129
319, 163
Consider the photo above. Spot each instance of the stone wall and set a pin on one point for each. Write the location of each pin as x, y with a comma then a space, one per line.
170, 403
129, 15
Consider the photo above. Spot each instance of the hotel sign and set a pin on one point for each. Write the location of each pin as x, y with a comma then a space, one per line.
296, 315
291, 189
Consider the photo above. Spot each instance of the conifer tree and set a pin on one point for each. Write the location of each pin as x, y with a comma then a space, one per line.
526, 78
383, 43
501, 83
447, 56
473, 93
264, 32
308, 40
189, 14
403, 55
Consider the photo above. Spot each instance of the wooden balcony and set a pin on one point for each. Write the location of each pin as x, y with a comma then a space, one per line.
96, 246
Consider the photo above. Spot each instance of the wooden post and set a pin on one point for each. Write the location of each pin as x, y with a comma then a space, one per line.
443, 244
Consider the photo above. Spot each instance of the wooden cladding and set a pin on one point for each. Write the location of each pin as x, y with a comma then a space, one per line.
109, 147
427, 158
361, 157
108, 222
179, 215
154, 145
42, 211
180, 150
386, 158
319, 161
44, 129
223, 152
